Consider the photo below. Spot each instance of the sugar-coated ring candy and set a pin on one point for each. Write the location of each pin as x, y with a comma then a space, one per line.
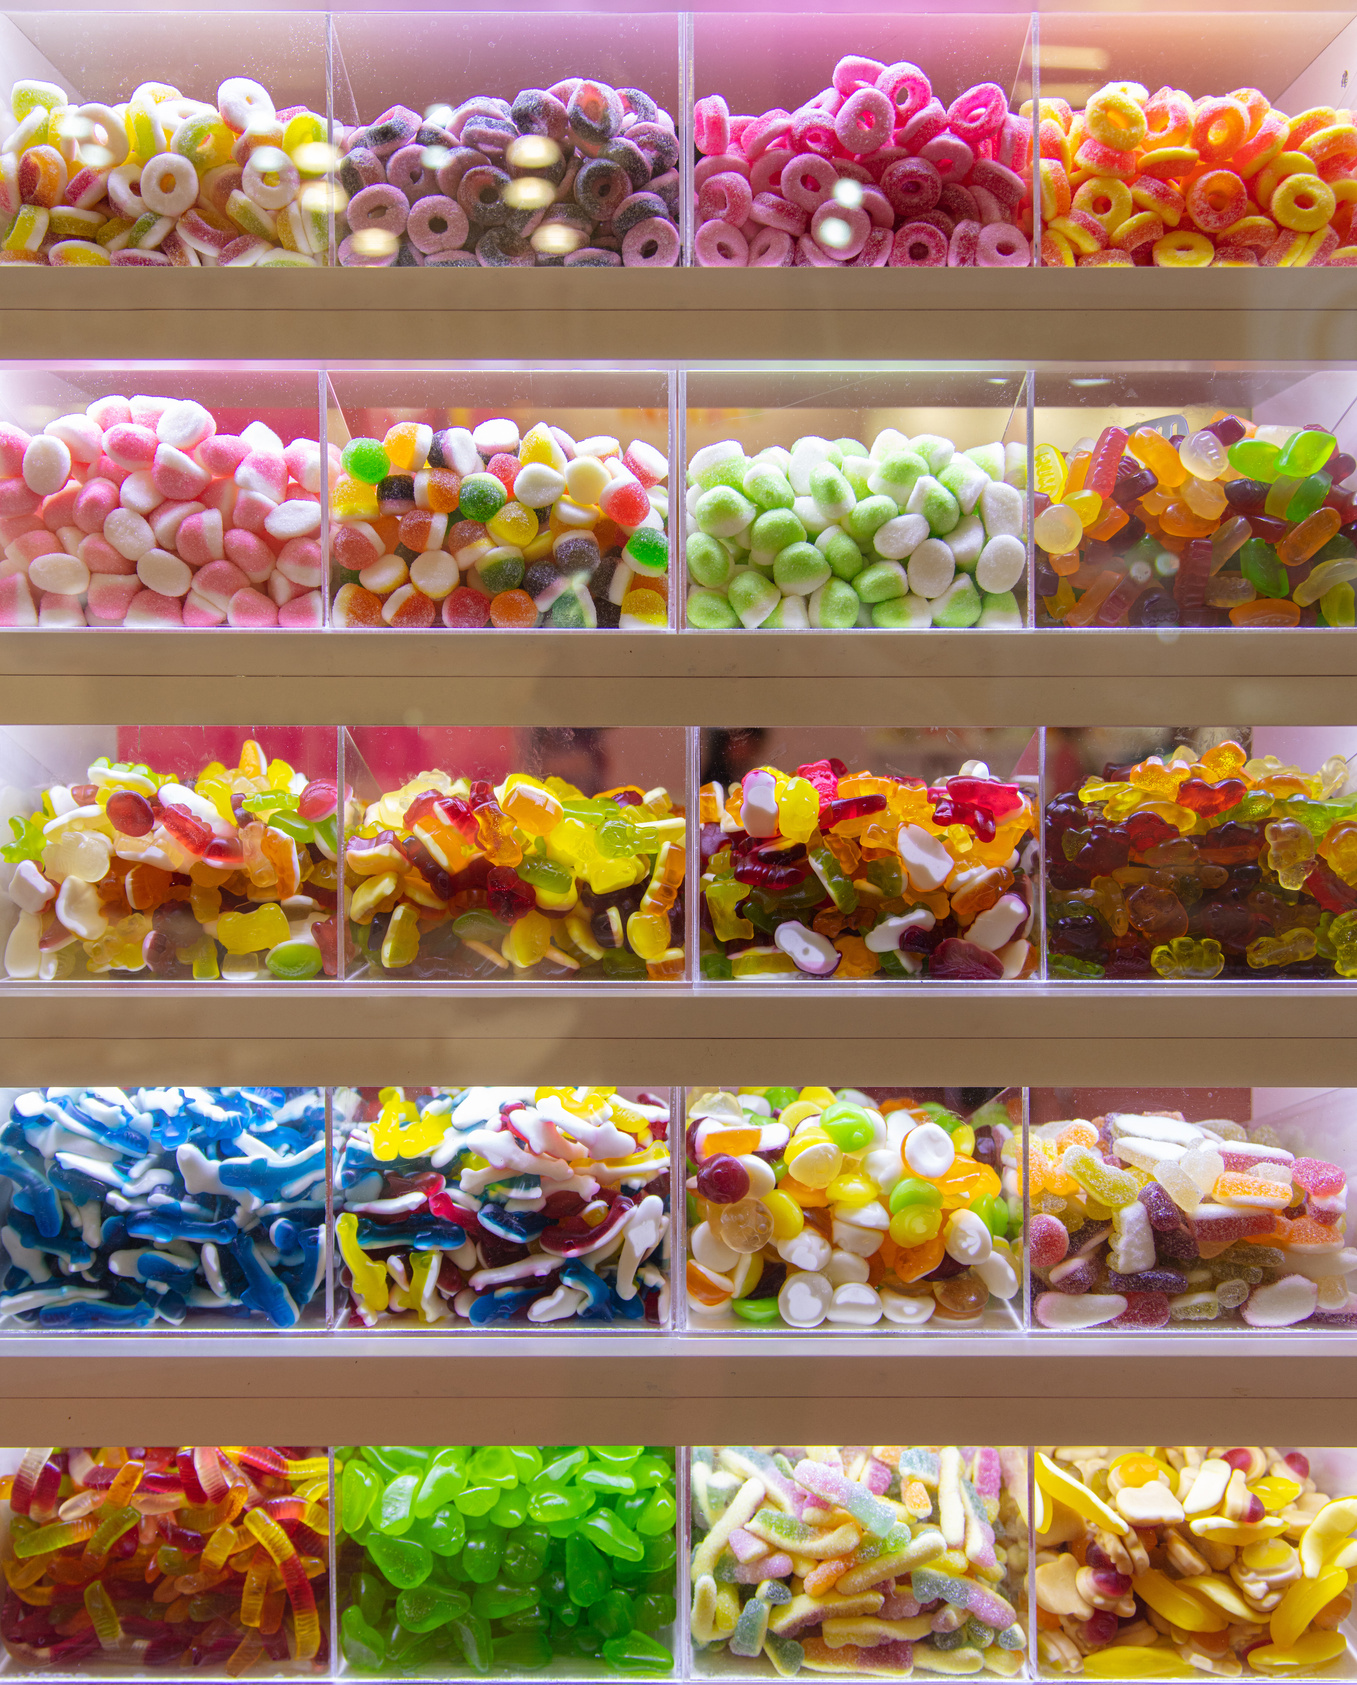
979, 112
406, 169
651, 244
600, 187
771, 248
711, 125
270, 178
841, 230
1114, 118
720, 246
1107, 200
1002, 246
436, 223
1217, 200
808, 180
380, 207
169, 184
864, 121
950, 155
912, 185
725, 198
481, 195
1183, 249
243, 103
1219, 127
1302, 203
907, 88
919, 245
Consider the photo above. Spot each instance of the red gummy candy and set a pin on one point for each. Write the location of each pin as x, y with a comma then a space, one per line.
1048, 1240
130, 813
191, 834
966, 961
1211, 799
318, 800
1317, 1176
1143, 1310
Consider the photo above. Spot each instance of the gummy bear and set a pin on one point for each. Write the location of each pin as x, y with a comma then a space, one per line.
1186, 959
1291, 852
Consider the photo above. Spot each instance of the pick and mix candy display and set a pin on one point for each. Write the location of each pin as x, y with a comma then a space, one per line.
1182, 183
825, 872
138, 512
1143, 1220
136, 872
872, 171
1191, 867
807, 1207
502, 1558
580, 174
908, 533
1234, 524
1167, 1561
162, 1205
161, 180
150, 1557
870, 1560
463, 878
486, 1205
487, 526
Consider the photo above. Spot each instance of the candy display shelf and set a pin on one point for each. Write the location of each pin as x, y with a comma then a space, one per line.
695, 678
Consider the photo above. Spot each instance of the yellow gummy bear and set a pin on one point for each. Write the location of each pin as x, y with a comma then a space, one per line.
798, 809
252, 933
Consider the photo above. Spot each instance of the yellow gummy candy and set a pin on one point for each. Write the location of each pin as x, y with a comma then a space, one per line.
1310, 1650
1274, 1492
1076, 1496
1134, 1661
1222, 1592
369, 1278
1326, 1535
1180, 1608
1301, 1602
251, 933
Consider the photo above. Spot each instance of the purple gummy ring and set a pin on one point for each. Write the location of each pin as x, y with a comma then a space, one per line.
455, 166
481, 195
437, 224
595, 112
406, 169
600, 188
379, 206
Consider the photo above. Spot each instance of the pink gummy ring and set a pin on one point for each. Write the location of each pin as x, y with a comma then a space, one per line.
1217, 200
918, 245
979, 112
808, 180
912, 185
907, 88
1002, 246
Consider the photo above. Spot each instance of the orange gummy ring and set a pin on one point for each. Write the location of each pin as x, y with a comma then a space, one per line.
1168, 116
1216, 200
1220, 126
1115, 118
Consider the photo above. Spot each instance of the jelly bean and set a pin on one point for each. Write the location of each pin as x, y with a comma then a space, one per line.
763, 1261
580, 173
165, 1187
192, 509
1268, 539
1160, 823
834, 182
255, 1598
472, 1203
439, 538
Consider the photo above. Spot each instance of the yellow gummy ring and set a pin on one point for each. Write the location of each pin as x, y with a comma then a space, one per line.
1182, 249
1107, 199
1116, 119
1303, 203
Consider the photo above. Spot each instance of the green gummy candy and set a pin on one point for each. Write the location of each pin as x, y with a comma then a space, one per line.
481, 496
785, 1654
587, 1574
501, 1597
965, 480
758, 1311
427, 1607
872, 512
363, 1646
294, 960
723, 512
848, 448
789, 616
774, 530
764, 483
858, 474
831, 492
988, 457
716, 968
511, 1509
568, 611
393, 1513
936, 451
800, 569
846, 561
750, 1629
612, 1535
931, 499
909, 613
358, 1489
709, 611
481, 1557
730, 471
501, 570
835, 605
709, 562
1256, 459
1000, 608
959, 605
1259, 562
647, 550
366, 460
951, 1640
880, 581
753, 597
445, 1531
635, 1652
897, 475
612, 1614
1306, 452
402, 1562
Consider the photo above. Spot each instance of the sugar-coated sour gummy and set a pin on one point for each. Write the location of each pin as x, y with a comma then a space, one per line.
139, 512
1225, 1225
834, 533
1153, 1560
458, 877
482, 1205
162, 180
133, 871
825, 872
490, 526
1203, 864
504, 1558
133, 1207
167, 1558
873, 171
1236, 523
907, 1556
811, 1207
580, 174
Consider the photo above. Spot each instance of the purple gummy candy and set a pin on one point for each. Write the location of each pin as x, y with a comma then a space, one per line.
1176, 1246
1218, 1225
1143, 1310
1075, 1275
1331, 1319
1088, 1235
965, 961
1164, 1214
897, 1606
1147, 1281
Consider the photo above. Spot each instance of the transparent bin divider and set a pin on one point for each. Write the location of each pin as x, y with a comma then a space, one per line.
761, 406
344, 1104
104, 56
380, 759
1000, 1316
1012, 753
624, 403
675, 1637
35, 758
207, 1311
1074, 402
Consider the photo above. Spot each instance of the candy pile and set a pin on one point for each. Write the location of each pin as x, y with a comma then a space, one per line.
505, 1204
860, 1559
136, 872
579, 174
1234, 524
487, 527
461, 878
1142, 1220
810, 1206
138, 512
202, 1557
164, 181
161, 1204
909, 533
825, 872
1191, 867
872, 171
503, 1557
1168, 1561
1141, 178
